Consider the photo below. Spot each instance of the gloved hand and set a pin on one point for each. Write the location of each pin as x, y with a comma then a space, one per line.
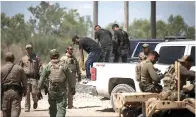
24, 93
79, 78
45, 89
83, 68
73, 91
39, 95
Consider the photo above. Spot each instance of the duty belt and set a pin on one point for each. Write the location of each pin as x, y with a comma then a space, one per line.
13, 87
34, 76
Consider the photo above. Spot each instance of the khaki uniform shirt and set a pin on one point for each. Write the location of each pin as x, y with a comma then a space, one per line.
148, 73
15, 77
31, 66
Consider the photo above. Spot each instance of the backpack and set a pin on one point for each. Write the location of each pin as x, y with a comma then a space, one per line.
169, 85
138, 70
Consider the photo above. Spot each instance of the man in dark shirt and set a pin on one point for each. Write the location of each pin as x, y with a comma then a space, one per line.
121, 44
92, 48
105, 40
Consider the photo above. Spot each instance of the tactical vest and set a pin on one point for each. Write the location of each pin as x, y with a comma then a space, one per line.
169, 85
138, 70
57, 74
71, 63
57, 80
123, 40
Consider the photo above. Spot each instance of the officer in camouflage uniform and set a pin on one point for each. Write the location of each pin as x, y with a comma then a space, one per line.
170, 82
149, 76
143, 55
13, 86
121, 44
73, 65
31, 65
104, 38
56, 72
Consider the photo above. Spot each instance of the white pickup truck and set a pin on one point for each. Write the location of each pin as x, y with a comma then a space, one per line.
120, 77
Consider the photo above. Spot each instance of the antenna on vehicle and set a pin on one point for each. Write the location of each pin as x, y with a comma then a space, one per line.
174, 37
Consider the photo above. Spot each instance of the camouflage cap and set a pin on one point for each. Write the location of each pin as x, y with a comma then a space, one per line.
9, 56
53, 52
29, 46
145, 45
186, 58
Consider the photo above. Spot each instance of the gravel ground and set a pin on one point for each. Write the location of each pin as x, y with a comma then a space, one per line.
86, 105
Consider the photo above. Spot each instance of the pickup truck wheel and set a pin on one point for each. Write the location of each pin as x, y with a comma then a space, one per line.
121, 88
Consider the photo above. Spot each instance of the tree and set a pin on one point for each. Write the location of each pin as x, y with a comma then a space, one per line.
139, 29
176, 25
161, 29
191, 33
14, 29
50, 26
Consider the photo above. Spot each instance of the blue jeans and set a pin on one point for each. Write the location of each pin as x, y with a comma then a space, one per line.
92, 57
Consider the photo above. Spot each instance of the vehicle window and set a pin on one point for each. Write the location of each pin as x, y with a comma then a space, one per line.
139, 48
193, 54
169, 54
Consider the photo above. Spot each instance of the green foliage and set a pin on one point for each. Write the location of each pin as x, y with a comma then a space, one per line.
53, 26
50, 27
176, 26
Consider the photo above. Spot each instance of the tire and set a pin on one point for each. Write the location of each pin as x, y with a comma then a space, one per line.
121, 88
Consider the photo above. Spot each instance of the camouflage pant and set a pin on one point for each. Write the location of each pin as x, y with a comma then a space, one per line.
57, 106
11, 106
105, 54
31, 88
154, 88
120, 53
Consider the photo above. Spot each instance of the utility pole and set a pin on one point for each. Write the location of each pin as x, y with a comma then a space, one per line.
153, 19
95, 16
126, 15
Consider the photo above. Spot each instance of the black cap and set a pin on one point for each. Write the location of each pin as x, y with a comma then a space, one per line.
115, 25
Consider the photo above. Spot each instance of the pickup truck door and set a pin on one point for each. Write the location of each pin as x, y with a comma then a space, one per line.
191, 52
169, 54
138, 49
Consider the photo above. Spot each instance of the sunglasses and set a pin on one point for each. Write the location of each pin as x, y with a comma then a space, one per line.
70, 49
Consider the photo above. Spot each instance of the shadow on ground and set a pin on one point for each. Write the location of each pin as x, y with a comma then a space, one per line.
88, 107
104, 98
106, 110
41, 110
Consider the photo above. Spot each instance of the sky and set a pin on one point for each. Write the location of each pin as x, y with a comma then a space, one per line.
110, 11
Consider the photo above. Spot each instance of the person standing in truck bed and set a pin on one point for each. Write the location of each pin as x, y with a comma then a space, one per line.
105, 40
92, 48
121, 44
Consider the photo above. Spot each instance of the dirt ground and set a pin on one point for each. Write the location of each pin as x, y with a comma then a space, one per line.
86, 105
